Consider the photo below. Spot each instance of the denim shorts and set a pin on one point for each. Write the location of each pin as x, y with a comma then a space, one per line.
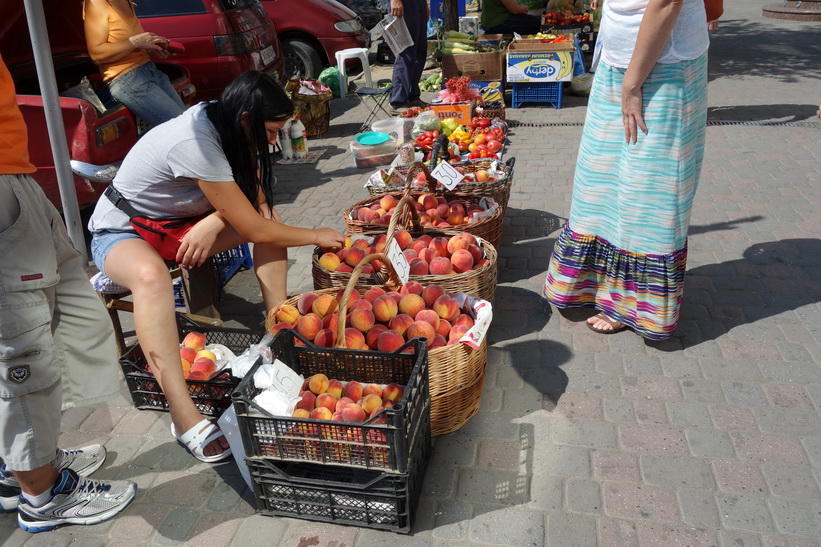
103, 241
148, 94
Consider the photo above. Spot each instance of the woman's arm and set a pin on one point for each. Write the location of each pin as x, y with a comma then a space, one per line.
656, 26
101, 50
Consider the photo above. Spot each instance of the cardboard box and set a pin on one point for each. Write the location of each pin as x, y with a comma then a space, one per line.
476, 66
461, 111
530, 60
491, 39
490, 91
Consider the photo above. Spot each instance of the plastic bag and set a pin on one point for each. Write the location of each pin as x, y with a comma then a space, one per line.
426, 121
241, 364
330, 77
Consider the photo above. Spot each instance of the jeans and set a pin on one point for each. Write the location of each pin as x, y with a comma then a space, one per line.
148, 94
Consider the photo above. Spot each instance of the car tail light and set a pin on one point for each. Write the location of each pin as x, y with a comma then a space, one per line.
111, 131
235, 44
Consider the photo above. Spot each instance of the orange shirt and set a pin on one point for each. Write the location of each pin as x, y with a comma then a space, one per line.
14, 148
121, 28
714, 8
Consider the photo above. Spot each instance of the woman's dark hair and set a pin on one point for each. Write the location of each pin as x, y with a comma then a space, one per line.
264, 100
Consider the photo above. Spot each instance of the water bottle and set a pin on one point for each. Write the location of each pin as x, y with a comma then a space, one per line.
285, 141
298, 138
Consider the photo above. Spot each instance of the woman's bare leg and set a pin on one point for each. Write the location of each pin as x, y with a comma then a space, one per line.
271, 268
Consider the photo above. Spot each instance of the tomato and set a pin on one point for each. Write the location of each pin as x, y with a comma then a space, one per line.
494, 146
463, 147
491, 137
479, 139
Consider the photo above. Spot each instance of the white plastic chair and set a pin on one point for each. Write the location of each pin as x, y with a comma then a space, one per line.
352, 53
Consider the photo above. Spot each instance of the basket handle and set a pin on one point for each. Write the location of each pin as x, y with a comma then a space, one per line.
346, 296
510, 162
414, 170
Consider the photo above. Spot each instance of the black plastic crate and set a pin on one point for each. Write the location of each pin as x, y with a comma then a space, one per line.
212, 397
342, 495
361, 445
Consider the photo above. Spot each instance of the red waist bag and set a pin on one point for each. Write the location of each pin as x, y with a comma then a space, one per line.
164, 235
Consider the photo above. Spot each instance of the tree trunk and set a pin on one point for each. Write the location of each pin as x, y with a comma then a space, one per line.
450, 14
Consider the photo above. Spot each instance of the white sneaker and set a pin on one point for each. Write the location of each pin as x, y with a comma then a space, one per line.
84, 461
77, 500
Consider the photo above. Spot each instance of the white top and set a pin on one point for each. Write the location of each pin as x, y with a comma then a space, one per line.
620, 26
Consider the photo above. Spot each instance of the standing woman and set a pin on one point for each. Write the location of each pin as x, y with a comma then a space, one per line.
213, 161
118, 44
624, 247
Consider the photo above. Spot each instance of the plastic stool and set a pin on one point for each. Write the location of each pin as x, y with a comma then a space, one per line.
352, 53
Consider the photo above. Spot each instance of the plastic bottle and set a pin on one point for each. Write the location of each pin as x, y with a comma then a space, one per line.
285, 141
298, 138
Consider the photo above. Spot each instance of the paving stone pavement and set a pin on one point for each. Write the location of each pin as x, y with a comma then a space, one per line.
712, 437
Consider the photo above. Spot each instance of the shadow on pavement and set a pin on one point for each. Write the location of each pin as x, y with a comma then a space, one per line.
765, 112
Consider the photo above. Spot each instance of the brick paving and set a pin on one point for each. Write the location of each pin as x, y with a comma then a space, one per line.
712, 437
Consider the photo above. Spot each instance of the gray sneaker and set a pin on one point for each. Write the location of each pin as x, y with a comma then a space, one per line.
84, 461
77, 500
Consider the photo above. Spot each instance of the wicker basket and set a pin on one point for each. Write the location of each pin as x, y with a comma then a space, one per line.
494, 113
314, 111
480, 282
456, 372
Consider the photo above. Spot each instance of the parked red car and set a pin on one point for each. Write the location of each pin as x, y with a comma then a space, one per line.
310, 42
99, 137
222, 39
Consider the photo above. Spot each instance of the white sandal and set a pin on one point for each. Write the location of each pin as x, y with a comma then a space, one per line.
198, 437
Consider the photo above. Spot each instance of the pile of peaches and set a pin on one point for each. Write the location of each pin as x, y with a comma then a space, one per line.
198, 363
426, 255
378, 320
324, 399
433, 210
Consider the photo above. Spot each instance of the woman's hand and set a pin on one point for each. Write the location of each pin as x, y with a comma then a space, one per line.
327, 237
197, 243
397, 8
151, 43
712, 26
631, 104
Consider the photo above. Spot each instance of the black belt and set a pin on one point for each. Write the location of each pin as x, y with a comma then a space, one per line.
120, 202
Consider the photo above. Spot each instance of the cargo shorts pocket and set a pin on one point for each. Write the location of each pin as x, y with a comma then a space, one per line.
27, 351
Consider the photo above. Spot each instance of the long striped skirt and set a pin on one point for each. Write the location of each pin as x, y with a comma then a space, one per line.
624, 247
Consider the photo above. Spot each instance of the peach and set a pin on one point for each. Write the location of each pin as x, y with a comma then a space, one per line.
204, 365
324, 305
186, 367
379, 238
433, 214
360, 304
279, 326
390, 341
388, 202
385, 308
354, 256
470, 238
447, 307
372, 335
318, 383
325, 338
329, 261
410, 254
354, 339
462, 260
334, 388
431, 293
420, 329
456, 215
381, 419
301, 413
411, 287
476, 252
463, 319
482, 263
457, 332
440, 266
341, 402
403, 239
205, 354
365, 215
287, 314
351, 299
197, 375
419, 266
428, 201
188, 354
337, 416
444, 328
307, 401
309, 325
400, 323
395, 295
387, 403
373, 293
439, 243
419, 243
348, 242
327, 400
321, 413
330, 321
442, 210
352, 390
411, 304
429, 316
374, 389
427, 254
439, 341
353, 413
393, 392
442, 223
195, 341
371, 402
306, 300
361, 244
362, 320
457, 242
344, 268
341, 254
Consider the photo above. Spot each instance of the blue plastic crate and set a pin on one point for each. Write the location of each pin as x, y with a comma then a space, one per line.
528, 92
225, 266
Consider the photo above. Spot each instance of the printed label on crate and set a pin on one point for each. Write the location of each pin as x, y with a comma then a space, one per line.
399, 261
447, 175
547, 66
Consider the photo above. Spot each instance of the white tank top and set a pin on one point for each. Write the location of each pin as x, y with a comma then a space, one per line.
620, 26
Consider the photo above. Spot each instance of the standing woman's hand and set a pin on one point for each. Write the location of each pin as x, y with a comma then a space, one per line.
631, 113
397, 9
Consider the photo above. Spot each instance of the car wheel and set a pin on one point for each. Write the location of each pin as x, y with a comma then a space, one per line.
301, 59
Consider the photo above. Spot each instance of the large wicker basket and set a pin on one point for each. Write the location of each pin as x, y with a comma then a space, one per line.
456, 372
314, 111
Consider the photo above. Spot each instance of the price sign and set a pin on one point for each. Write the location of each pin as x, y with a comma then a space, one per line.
399, 261
447, 175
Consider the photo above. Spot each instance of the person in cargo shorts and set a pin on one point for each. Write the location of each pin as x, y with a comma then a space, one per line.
57, 350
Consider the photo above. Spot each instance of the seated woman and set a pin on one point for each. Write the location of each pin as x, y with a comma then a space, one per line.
507, 17
212, 160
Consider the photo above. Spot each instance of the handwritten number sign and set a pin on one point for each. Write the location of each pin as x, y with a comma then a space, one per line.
399, 261
447, 175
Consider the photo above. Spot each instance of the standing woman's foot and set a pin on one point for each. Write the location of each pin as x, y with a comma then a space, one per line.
602, 324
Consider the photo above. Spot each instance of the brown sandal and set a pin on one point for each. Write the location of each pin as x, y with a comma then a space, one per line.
612, 322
